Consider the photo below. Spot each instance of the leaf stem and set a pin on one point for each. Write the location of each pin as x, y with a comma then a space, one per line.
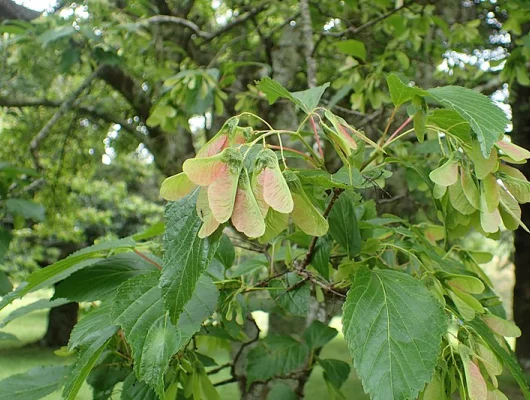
317, 138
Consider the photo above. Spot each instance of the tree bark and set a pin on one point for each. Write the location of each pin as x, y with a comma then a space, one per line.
521, 293
11, 10
61, 321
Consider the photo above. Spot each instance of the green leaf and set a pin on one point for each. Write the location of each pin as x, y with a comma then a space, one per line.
400, 92
38, 305
503, 352
108, 372
134, 389
225, 252
86, 360
139, 308
5, 284
280, 391
319, 334
35, 383
351, 47
56, 33
5, 241
186, 256
91, 326
64, 268
452, 122
100, 281
393, 327
343, 224
275, 355
26, 208
321, 256
486, 119
307, 100
335, 371
291, 295
8, 336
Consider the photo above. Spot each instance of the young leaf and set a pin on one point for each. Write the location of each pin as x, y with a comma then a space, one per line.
186, 256
275, 355
343, 223
352, 47
319, 334
392, 360
335, 371
321, 256
400, 92
176, 187
486, 119
246, 216
91, 326
35, 383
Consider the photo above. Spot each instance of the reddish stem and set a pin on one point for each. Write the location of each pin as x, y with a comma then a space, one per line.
398, 130
317, 138
273, 146
148, 259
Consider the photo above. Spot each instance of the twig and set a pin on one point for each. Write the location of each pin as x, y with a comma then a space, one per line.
218, 369
157, 19
226, 381
148, 259
65, 106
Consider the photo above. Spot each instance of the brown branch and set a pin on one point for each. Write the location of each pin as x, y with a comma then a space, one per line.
368, 24
226, 381
65, 107
218, 369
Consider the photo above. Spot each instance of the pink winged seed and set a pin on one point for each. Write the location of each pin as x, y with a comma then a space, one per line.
214, 146
275, 190
222, 193
257, 189
210, 224
247, 216
176, 187
204, 171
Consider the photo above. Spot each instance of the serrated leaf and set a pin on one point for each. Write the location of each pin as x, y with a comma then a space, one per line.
176, 187
486, 119
400, 92
134, 389
335, 371
343, 225
86, 360
100, 281
307, 100
503, 352
452, 122
393, 360
275, 355
225, 252
321, 255
319, 334
108, 372
35, 383
91, 326
294, 301
64, 268
139, 308
186, 256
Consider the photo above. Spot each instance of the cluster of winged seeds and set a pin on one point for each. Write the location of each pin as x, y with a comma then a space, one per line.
247, 188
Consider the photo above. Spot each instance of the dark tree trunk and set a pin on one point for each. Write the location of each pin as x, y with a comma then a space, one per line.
521, 293
10, 10
61, 321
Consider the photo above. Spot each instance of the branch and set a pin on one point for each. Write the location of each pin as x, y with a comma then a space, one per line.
369, 23
65, 106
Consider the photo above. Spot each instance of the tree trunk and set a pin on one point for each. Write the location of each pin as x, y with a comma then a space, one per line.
521, 293
61, 321
11, 10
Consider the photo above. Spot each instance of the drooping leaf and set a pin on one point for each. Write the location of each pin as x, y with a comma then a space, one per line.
247, 217
335, 371
186, 256
225, 252
393, 360
86, 360
343, 223
139, 308
35, 383
101, 280
400, 92
64, 268
176, 187
486, 119
352, 47
319, 334
291, 294
275, 355
41, 304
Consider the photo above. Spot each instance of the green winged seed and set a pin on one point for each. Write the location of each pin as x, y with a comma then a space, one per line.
501, 326
510, 211
490, 222
176, 187
466, 283
516, 183
483, 166
459, 200
446, 174
489, 194
470, 188
513, 151
439, 191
